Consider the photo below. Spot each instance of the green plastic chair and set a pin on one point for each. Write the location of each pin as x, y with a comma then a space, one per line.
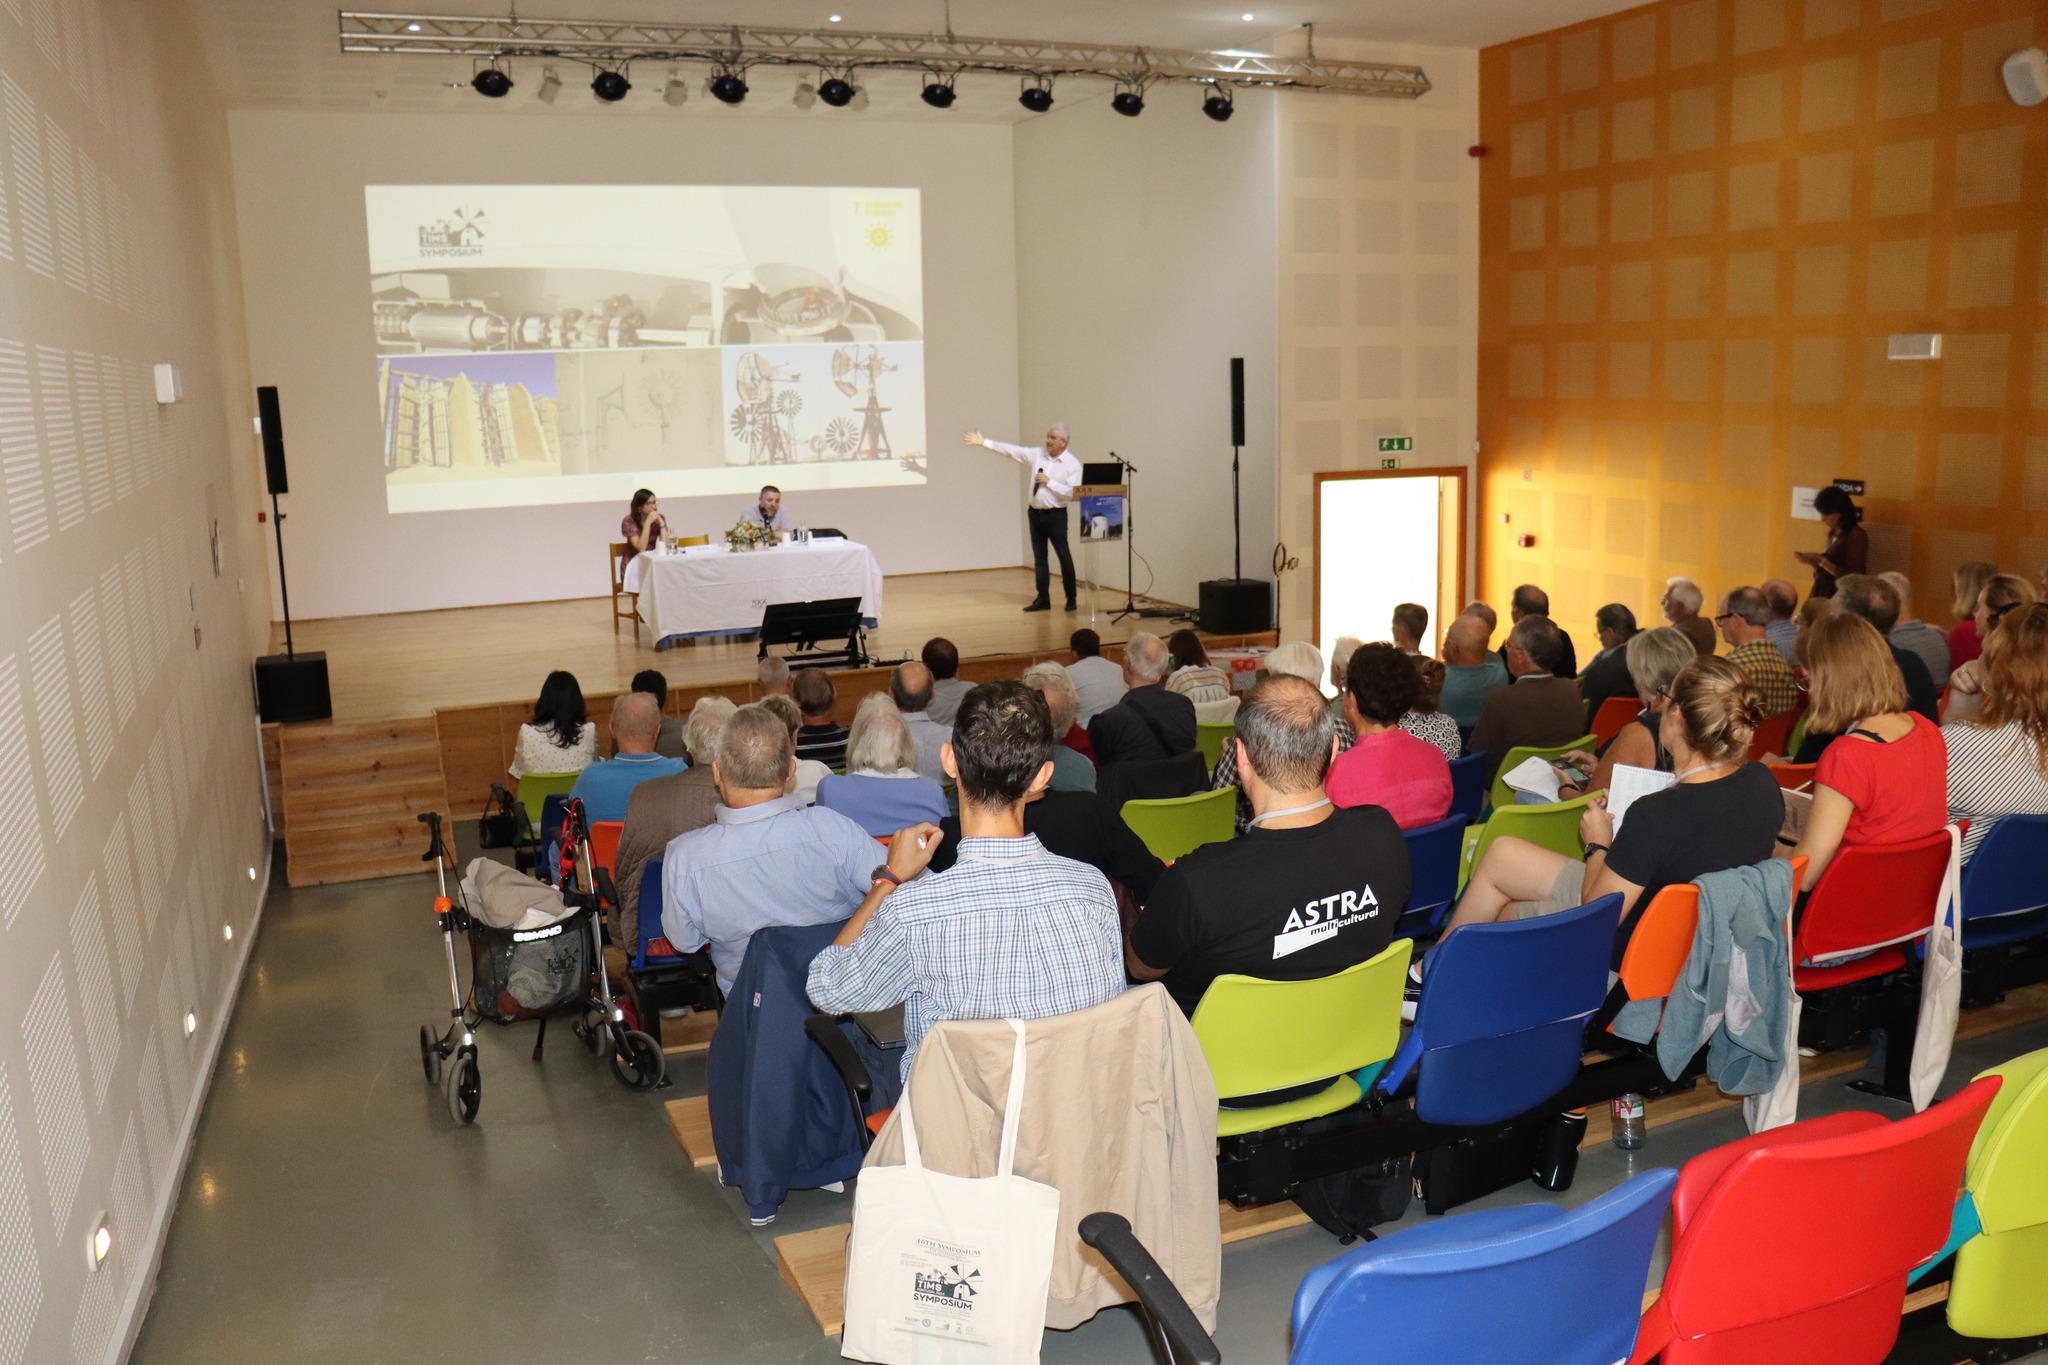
535, 789
1210, 739
1502, 794
1554, 826
1176, 827
1261, 1036
1997, 1288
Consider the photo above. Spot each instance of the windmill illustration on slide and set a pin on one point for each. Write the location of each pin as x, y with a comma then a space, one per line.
766, 416
849, 365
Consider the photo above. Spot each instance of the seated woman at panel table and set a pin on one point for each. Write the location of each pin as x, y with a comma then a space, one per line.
1885, 781
881, 791
1723, 812
1998, 755
1655, 657
644, 526
559, 738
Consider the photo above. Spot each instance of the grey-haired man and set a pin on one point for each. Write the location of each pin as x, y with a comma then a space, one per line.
1055, 475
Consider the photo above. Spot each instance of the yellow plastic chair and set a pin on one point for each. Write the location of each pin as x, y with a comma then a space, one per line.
2000, 1287
1554, 826
1210, 739
536, 788
1176, 827
1261, 1036
1503, 795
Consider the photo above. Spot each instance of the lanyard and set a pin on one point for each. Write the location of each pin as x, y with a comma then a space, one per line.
1291, 810
1696, 768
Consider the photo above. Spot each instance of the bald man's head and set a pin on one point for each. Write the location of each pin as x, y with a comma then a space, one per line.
1465, 641
636, 723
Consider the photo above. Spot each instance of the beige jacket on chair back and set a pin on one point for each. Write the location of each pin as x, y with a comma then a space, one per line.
1119, 1115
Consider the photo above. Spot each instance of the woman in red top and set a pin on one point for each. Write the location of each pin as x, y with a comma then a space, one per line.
1965, 642
1885, 781
642, 526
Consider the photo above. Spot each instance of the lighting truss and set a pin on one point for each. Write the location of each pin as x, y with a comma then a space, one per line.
735, 47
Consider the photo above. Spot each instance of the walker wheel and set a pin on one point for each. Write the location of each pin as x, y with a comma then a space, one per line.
639, 1064
430, 1054
465, 1086
591, 1029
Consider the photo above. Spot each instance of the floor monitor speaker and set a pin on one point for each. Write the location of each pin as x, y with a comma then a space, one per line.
1236, 606
293, 687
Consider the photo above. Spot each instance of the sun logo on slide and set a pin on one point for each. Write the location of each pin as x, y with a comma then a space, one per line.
879, 237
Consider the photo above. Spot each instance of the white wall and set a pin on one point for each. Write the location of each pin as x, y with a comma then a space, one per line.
1146, 259
299, 178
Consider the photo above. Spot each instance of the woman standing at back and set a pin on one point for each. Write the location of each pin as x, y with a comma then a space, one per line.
559, 739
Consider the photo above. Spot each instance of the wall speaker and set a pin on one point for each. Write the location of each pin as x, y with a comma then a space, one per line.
1237, 401
272, 422
2026, 76
1236, 606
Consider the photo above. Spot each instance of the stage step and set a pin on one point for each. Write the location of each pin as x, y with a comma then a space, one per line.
689, 1119
351, 795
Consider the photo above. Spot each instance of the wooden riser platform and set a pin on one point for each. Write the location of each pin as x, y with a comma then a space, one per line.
351, 795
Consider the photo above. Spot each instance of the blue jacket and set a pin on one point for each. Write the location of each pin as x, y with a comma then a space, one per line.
779, 1113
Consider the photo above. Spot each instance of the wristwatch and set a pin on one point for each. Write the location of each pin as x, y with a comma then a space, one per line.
1591, 849
882, 876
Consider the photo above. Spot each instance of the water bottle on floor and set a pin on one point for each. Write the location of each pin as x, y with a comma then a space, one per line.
1628, 1122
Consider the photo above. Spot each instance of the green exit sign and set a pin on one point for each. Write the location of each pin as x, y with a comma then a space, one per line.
1390, 463
1388, 443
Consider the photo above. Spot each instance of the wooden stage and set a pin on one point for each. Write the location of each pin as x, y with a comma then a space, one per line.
427, 704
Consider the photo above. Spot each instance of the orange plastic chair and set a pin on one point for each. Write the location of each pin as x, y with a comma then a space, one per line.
1794, 777
1772, 734
604, 842
1657, 950
1614, 714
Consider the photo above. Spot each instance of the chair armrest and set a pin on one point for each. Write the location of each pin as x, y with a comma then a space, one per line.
1170, 1317
1397, 1071
853, 1073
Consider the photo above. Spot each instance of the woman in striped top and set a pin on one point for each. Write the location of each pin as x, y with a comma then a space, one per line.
1998, 758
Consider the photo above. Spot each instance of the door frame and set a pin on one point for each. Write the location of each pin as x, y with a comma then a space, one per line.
1459, 474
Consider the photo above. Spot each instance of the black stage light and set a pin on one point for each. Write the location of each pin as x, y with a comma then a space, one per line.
728, 87
1217, 105
610, 86
939, 95
1037, 97
1129, 103
491, 83
836, 91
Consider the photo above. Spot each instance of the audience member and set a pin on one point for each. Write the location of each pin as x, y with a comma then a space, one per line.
1541, 708
1811, 610
1310, 889
1915, 636
1682, 602
1426, 720
665, 807
1193, 676
1744, 619
1011, 931
1471, 672
809, 771
1654, 659
1341, 650
1486, 615
1530, 600
910, 686
1784, 600
1607, 675
1964, 644
771, 676
882, 791
765, 859
1884, 781
1411, 628
2001, 596
1874, 601
1723, 812
1072, 771
1998, 756
819, 737
604, 786
1848, 547
1293, 659
669, 744
1150, 722
1386, 766
1097, 682
560, 738
943, 659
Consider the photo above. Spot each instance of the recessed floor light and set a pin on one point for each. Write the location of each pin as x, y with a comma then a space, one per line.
835, 18
191, 1023
1247, 17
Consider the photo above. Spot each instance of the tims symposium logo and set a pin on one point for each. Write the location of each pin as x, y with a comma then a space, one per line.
951, 1288
459, 234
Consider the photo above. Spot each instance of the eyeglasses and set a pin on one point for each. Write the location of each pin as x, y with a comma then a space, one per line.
1724, 616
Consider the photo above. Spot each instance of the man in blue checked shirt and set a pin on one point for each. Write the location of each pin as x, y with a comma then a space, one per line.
1010, 931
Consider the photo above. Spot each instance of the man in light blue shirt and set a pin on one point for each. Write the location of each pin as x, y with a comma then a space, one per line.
769, 511
910, 685
1779, 630
604, 786
765, 859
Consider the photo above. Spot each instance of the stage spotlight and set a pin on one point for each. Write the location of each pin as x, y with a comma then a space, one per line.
938, 94
836, 91
1036, 95
1128, 102
550, 85
491, 83
610, 86
729, 87
806, 95
1217, 104
677, 92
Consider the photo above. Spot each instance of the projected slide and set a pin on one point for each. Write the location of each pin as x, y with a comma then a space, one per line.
570, 343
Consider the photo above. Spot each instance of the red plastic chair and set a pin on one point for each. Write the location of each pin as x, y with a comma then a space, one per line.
1794, 777
1872, 896
1795, 1244
1613, 716
1771, 736
604, 842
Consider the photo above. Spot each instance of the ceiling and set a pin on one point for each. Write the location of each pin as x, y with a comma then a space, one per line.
283, 54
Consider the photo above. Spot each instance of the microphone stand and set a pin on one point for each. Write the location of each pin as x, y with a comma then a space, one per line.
1130, 606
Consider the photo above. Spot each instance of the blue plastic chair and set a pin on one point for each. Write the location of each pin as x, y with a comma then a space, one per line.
1498, 1029
1468, 786
650, 920
1537, 1282
2005, 884
1433, 852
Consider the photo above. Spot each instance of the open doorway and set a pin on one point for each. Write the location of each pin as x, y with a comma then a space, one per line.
1383, 537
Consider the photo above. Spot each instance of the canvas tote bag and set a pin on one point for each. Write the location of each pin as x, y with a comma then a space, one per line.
1941, 982
948, 1270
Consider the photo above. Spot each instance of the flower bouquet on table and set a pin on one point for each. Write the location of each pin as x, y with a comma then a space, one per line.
749, 535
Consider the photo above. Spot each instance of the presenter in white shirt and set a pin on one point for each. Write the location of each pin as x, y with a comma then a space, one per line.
1054, 476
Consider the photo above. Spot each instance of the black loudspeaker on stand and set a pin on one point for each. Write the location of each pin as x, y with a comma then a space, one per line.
1236, 605
289, 686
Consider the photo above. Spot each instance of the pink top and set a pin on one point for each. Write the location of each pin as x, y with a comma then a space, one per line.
1964, 644
1394, 769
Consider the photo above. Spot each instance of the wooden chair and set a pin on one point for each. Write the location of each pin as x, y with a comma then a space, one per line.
685, 542
621, 551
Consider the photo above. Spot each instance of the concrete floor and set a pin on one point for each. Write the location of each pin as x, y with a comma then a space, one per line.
334, 1214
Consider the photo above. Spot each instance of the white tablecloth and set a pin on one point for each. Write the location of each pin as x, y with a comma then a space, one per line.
709, 588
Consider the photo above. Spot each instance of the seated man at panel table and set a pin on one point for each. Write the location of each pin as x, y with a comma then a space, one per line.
910, 687
1877, 602
769, 511
1471, 672
819, 737
1744, 620
1307, 891
943, 659
1540, 709
1011, 931
665, 807
604, 786
1916, 636
765, 858
1150, 722
1607, 674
